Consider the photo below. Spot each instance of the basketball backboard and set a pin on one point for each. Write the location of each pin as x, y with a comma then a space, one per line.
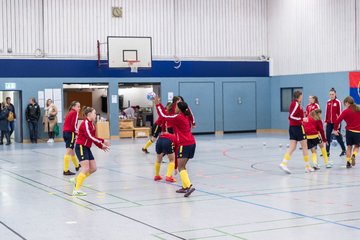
125, 50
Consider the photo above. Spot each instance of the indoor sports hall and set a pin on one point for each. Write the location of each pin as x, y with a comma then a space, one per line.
179, 119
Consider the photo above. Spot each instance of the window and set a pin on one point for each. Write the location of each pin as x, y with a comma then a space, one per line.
287, 97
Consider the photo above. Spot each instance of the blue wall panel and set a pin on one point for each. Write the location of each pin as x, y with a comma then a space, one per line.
239, 103
312, 84
200, 96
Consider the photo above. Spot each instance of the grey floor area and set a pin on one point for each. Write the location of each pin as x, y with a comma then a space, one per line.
240, 194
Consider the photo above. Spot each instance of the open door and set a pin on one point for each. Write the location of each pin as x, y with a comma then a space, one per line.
16, 100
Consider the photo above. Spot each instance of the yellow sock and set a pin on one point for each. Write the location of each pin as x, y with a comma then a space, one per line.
170, 169
306, 160
148, 144
286, 159
348, 159
157, 169
75, 161
185, 178
88, 174
355, 153
80, 180
325, 156
66, 162
314, 158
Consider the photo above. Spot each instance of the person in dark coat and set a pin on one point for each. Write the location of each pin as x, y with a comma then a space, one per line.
11, 108
4, 124
32, 114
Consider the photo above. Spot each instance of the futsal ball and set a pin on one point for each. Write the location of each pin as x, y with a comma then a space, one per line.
150, 96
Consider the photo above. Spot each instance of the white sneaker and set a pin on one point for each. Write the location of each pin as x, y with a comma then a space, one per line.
49, 141
316, 167
309, 169
284, 168
329, 165
73, 182
78, 193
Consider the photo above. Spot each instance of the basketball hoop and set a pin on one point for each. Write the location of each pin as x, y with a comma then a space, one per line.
133, 65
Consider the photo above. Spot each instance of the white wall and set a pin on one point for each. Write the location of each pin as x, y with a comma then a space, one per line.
310, 36
185, 28
136, 96
20, 27
96, 100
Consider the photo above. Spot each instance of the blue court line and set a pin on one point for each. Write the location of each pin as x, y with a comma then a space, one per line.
256, 204
293, 191
282, 210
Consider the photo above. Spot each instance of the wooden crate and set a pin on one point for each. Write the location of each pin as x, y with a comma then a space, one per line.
124, 133
103, 130
142, 132
126, 124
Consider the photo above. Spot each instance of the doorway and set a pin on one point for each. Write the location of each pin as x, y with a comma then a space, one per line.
16, 100
134, 94
88, 94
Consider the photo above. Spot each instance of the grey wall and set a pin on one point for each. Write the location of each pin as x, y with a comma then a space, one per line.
313, 84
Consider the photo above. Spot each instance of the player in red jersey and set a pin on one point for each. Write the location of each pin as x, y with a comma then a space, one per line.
69, 135
315, 135
313, 104
351, 115
84, 142
297, 133
186, 142
333, 110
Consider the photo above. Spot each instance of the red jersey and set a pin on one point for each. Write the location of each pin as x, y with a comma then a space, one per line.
333, 110
169, 136
296, 114
313, 127
351, 118
71, 120
86, 135
311, 107
181, 124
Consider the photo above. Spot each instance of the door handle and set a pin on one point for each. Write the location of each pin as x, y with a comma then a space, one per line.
239, 100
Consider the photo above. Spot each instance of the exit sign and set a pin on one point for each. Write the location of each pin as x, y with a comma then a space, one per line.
10, 85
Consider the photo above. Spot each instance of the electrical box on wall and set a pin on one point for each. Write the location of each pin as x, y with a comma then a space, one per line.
117, 12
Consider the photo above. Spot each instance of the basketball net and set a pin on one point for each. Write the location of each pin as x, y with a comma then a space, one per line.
133, 66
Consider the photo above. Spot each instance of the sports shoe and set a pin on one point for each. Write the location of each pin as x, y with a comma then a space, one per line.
145, 150
68, 173
73, 181
328, 154
157, 178
348, 165
284, 168
353, 160
309, 169
329, 165
182, 190
343, 153
77, 168
170, 179
189, 191
316, 167
78, 193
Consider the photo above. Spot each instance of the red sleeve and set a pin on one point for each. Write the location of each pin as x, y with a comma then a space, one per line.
338, 120
307, 110
320, 128
73, 120
162, 112
88, 133
192, 118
